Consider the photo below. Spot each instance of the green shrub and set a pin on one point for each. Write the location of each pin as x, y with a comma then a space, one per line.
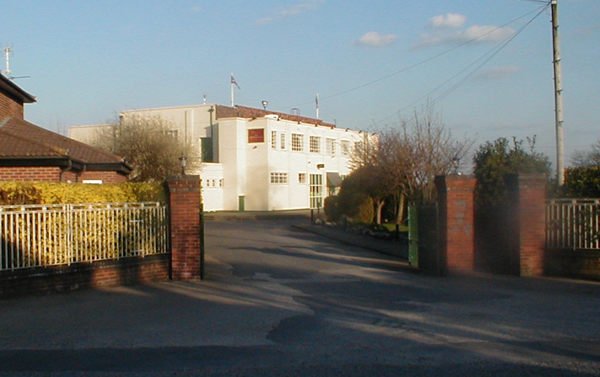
17, 193
582, 182
365, 212
332, 208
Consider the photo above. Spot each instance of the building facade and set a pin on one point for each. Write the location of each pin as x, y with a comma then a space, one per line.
255, 159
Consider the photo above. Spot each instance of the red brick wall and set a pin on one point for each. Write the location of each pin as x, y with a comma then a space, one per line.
528, 195
105, 176
9, 107
184, 207
53, 174
84, 275
33, 173
456, 221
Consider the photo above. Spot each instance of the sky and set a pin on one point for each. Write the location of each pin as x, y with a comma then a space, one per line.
483, 66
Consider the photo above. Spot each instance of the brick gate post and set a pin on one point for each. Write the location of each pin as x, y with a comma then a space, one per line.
456, 221
527, 195
185, 226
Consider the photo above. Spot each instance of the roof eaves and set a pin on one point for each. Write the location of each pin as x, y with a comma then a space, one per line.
12, 89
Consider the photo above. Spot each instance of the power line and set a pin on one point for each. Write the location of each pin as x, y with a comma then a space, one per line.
491, 55
422, 62
486, 58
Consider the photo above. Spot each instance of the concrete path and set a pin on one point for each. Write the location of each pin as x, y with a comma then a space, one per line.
279, 301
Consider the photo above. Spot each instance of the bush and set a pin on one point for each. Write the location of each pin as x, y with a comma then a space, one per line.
332, 209
582, 182
17, 193
365, 212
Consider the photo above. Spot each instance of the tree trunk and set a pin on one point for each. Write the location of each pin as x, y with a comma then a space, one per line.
401, 206
380, 204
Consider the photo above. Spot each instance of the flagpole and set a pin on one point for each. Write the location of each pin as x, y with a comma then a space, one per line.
232, 93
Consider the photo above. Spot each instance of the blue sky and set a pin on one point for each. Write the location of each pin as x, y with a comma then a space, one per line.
485, 65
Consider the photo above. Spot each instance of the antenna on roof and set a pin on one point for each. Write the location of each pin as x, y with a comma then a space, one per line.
7, 53
6, 71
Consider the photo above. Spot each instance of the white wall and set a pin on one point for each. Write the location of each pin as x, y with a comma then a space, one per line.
246, 167
213, 183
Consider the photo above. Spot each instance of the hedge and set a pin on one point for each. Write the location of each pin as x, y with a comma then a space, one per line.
582, 182
18, 193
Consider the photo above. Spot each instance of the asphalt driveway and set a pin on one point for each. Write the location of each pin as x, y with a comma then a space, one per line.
279, 301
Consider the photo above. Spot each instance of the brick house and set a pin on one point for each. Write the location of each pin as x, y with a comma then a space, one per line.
32, 153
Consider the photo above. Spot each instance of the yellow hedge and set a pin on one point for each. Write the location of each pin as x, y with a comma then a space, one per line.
16, 193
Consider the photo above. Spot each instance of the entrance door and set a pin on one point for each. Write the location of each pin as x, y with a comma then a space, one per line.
316, 190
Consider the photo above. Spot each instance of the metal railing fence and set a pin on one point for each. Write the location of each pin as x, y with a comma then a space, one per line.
573, 224
50, 235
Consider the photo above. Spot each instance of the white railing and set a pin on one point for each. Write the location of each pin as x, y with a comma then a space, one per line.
50, 235
573, 224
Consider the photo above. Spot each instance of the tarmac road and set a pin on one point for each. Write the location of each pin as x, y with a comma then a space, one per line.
282, 302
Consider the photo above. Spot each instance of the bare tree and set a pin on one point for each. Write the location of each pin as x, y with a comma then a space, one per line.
413, 154
587, 158
148, 145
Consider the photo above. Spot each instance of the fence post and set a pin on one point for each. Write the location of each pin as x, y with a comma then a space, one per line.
185, 227
456, 221
527, 193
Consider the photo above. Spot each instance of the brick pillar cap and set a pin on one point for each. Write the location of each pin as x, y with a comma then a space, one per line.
183, 178
454, 180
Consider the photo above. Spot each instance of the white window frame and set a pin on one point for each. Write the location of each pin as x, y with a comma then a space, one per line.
297, 142
279, 178
314, 143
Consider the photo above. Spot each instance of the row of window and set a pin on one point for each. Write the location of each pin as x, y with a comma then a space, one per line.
314, 143
213, 183
282, 178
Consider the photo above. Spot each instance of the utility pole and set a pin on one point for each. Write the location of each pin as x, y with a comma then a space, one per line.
558, 110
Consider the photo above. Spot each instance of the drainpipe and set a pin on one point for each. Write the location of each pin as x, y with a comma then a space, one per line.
68, 168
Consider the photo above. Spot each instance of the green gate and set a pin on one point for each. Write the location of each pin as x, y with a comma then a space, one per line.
413, 236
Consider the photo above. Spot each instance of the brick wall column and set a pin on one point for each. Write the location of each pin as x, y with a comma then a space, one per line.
527, 193
185, 226
456, 221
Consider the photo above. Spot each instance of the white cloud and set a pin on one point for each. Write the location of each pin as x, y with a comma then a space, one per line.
451, 20
500, 72
474, 34
374, 39
298, 8
486, 33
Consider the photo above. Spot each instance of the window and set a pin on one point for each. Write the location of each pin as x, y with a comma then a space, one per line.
315, 144
359, 147
206, 149
345, 147
282, 145
221, 182
273, 139
256, 135
316, 191
302, 178
297, 142
171, 133
279, 178
330, 146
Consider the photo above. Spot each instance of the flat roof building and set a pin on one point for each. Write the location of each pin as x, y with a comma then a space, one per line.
256, 159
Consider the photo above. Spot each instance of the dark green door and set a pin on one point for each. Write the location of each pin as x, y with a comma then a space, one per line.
413, 236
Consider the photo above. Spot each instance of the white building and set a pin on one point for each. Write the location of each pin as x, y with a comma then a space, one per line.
255, 159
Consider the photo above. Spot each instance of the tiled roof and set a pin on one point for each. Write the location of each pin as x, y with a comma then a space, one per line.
21, 139
12, 146
250, 112
40, 136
